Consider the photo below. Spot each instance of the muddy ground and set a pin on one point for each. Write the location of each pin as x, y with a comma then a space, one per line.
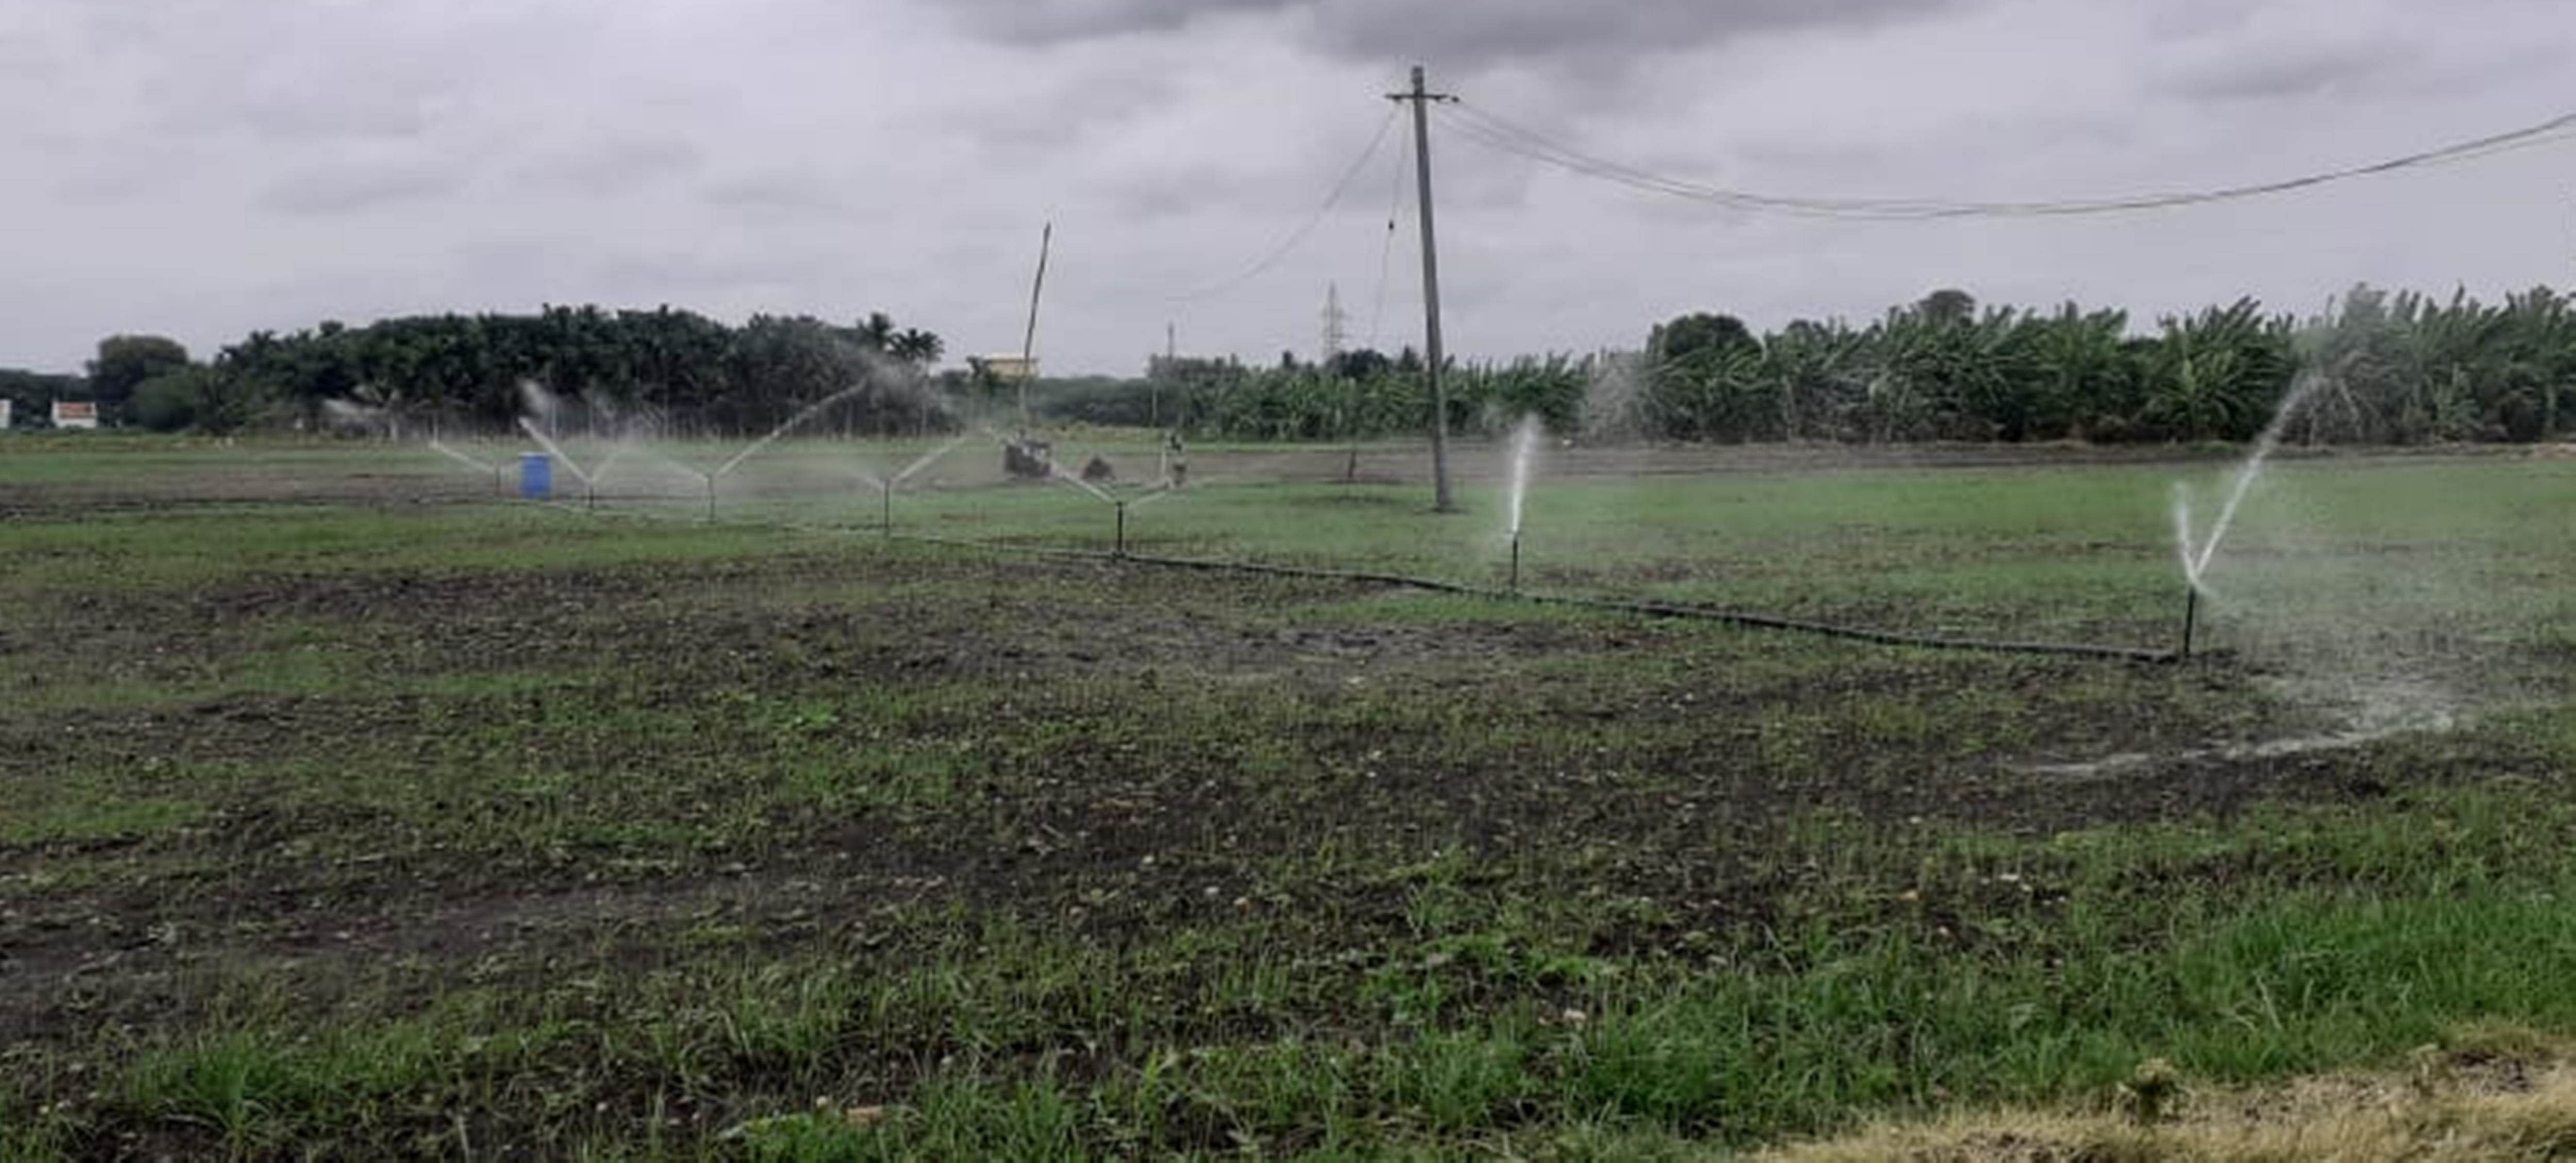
284, 779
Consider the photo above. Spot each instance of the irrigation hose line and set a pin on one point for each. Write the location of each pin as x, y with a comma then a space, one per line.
1434, 585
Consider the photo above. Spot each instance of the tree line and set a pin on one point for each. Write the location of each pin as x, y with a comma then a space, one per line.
467, 370
1354, 394
2387, 368
2399, 368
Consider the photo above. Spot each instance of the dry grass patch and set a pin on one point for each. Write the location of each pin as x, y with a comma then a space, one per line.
2488, 1096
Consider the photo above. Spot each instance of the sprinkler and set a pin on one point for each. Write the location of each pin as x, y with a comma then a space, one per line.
1515, 585
886, 491
2190, 614
1121, 550
711, 496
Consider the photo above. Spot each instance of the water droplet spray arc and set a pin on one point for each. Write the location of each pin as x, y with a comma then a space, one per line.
2196, 558
547, 442
476, 463
886, 486
1524, 454
809, 412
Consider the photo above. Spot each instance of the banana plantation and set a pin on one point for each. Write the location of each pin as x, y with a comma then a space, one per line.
2391, 368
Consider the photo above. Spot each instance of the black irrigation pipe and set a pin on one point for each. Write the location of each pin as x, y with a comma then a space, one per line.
1617, 605
1461, 589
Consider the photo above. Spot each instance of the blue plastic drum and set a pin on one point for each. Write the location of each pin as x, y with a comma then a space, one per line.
536, 476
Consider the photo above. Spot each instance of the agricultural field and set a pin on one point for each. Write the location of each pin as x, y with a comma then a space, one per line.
355, 810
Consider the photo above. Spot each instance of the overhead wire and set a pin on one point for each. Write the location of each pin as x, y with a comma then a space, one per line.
1386, 251
1332, 198
1496, 132
1502, 136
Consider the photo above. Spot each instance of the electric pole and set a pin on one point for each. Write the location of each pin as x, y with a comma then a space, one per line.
1029, 340
1422, 100
1171, 367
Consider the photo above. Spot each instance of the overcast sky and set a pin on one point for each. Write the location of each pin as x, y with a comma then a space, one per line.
201, 168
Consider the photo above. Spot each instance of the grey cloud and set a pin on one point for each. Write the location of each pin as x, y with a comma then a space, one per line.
1491, 32
292, 114
614, 166
2299, 70
556, 267
775, 191
671, 272
1052, 21
1535, 29
2182, 20
344, 189
1180, 191
1094, 99
1178, 186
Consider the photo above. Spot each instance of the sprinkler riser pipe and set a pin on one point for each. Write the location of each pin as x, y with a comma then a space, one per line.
1121, 549
2190, 615
888, 519
1516, 562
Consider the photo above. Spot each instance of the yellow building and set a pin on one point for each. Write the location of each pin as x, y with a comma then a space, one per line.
1006, 368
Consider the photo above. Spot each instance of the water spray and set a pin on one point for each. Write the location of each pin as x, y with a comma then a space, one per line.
810, 411
2190, 567
1524, 451
2196, 558
2196, 562
926, 459
1055, 472
885, 498
498, 488
570, 465
590, 486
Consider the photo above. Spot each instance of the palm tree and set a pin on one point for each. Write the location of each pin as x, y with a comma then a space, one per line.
915, 346
874, 333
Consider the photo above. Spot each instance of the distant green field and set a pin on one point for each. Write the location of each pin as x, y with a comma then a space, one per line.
353, 812
2341, 548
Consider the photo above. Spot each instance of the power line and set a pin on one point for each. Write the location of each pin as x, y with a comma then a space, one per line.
1331, 199
1493, 133
1386, 250
1498, 133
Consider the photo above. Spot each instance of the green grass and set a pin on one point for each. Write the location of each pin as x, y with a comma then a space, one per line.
370, 828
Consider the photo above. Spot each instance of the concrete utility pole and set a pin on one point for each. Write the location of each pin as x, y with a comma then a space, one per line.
1029, 340
1422, 99
1171, 367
